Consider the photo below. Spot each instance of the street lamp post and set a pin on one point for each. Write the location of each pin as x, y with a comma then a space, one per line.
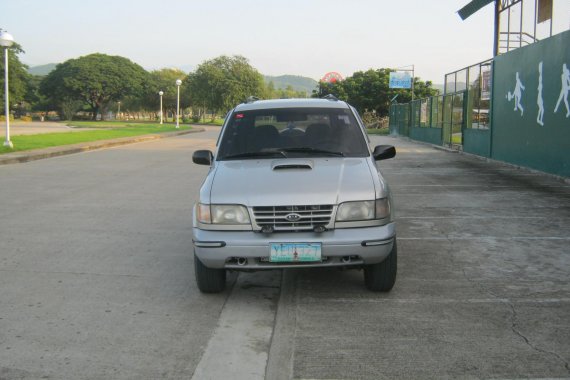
160, 93
178, 83
119, 110
6, 40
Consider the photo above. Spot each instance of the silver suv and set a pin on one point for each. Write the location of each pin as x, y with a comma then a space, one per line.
294, 184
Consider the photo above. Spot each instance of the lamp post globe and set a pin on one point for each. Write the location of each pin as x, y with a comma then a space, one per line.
6, 40
160, 93
178, 83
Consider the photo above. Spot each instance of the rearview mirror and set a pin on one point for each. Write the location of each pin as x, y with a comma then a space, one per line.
202, 157
384, 152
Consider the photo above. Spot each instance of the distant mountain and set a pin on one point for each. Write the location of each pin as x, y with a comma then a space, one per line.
298, 83
460, 86
42, 69
438, 87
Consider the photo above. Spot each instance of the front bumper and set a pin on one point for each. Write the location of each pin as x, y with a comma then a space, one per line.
363, 246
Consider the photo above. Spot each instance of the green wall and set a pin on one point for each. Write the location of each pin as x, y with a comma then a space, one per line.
476, 141
517, 136
427, 134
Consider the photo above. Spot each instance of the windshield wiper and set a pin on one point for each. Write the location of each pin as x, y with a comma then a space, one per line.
307, 149
264, 153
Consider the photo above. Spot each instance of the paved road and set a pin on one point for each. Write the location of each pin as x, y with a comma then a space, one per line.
97, 281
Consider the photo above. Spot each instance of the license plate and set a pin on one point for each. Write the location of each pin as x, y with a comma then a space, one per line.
295, 252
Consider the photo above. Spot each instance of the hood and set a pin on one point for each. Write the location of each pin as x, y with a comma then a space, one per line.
330, 180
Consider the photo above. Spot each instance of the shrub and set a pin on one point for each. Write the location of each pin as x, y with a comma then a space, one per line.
3, 118
196, 118
26, 118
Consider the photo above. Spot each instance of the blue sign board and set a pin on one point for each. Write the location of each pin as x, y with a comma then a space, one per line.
400, 80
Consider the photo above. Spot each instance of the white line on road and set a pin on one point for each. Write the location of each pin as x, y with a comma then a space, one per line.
438, 301
488, 237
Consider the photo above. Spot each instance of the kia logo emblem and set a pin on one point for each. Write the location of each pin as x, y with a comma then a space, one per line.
293, 217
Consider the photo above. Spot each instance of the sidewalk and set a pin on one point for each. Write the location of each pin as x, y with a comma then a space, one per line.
38, 154
39, 127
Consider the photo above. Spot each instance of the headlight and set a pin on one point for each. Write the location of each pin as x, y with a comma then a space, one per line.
350, 211
382, 208
363, 210
222, 214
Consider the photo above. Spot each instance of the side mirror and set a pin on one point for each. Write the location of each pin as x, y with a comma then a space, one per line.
384, 152
202, 157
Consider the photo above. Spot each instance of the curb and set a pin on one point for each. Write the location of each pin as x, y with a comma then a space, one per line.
40, 154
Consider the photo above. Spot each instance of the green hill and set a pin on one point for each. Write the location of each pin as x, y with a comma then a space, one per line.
42, 69
298, 83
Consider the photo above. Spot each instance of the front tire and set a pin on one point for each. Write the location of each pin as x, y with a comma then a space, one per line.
209, 280
381, 277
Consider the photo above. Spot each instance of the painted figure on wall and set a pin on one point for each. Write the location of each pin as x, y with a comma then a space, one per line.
517, 94
565, 78
539, 100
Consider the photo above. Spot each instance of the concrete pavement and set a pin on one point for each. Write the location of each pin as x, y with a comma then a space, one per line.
97, 279
95, 265
38, 127
483, 288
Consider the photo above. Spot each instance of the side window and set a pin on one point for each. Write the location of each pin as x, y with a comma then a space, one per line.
224, 126
362, 126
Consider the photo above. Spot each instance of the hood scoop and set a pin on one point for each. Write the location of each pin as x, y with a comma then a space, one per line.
292, 165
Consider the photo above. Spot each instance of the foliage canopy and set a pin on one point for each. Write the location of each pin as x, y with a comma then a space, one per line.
95, 79
221, 83
369, 90
19, 81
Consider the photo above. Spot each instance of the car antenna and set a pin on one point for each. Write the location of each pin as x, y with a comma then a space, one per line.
251, 99
330, 97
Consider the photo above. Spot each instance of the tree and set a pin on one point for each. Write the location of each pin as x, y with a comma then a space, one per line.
222, 82
369, 90
18, 78
270, 92
165, 80
96, 80
332, 88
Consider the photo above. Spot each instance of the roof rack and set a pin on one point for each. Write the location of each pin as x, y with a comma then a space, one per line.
331, 97
251, 99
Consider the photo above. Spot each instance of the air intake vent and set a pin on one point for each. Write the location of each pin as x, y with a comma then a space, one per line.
292, 166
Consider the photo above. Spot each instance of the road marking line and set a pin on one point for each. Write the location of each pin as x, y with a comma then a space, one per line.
488, 237
437, 301
483, 217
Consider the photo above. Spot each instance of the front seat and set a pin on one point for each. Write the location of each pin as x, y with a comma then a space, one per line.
316, 134
266, 136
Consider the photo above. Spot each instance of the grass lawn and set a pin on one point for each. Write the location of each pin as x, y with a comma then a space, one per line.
121, 124
216, 122
112, 124
378, 131
104, 132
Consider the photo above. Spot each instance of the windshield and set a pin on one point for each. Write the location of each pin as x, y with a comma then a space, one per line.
292, 132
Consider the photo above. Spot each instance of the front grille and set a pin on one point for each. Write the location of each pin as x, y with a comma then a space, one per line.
309, 217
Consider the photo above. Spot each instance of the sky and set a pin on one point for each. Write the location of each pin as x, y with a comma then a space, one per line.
299, 37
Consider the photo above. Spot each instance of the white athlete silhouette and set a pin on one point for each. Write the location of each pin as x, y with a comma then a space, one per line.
539, 100
517, 94
565, 77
